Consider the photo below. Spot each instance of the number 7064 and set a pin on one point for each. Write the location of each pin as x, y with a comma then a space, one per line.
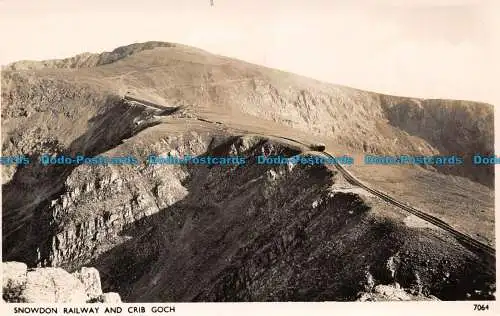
481, 307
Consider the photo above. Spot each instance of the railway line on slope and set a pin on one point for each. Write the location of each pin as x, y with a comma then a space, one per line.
461, 237
468, 240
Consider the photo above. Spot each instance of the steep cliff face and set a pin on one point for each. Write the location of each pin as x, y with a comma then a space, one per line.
58, 120
451, 127
99, 202
94, 203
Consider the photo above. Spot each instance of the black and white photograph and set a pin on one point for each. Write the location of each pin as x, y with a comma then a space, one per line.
216, 151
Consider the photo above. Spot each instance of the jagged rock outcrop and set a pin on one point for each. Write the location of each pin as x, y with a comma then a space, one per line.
52, 285
100, 202
393, 292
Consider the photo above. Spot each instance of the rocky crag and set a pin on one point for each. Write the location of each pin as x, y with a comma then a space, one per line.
52, 285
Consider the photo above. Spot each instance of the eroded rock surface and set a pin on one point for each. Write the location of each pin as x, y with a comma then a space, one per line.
52, 285
393, 293
91, 281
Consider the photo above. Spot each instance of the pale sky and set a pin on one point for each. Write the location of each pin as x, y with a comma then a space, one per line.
413, 48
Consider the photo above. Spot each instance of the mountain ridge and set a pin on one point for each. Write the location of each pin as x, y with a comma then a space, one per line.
243, 231
87, 59
124, 51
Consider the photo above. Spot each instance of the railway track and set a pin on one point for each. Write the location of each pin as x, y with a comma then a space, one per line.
465, 239
468, 240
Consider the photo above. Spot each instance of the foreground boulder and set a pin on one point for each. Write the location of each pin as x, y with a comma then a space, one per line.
393, 293
91, 281
53, 285
110, 298
14, 280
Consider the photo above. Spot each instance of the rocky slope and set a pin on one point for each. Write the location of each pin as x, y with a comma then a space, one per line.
371, 122
52, 285
240, 233
86, 60
226, 233
393, 293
